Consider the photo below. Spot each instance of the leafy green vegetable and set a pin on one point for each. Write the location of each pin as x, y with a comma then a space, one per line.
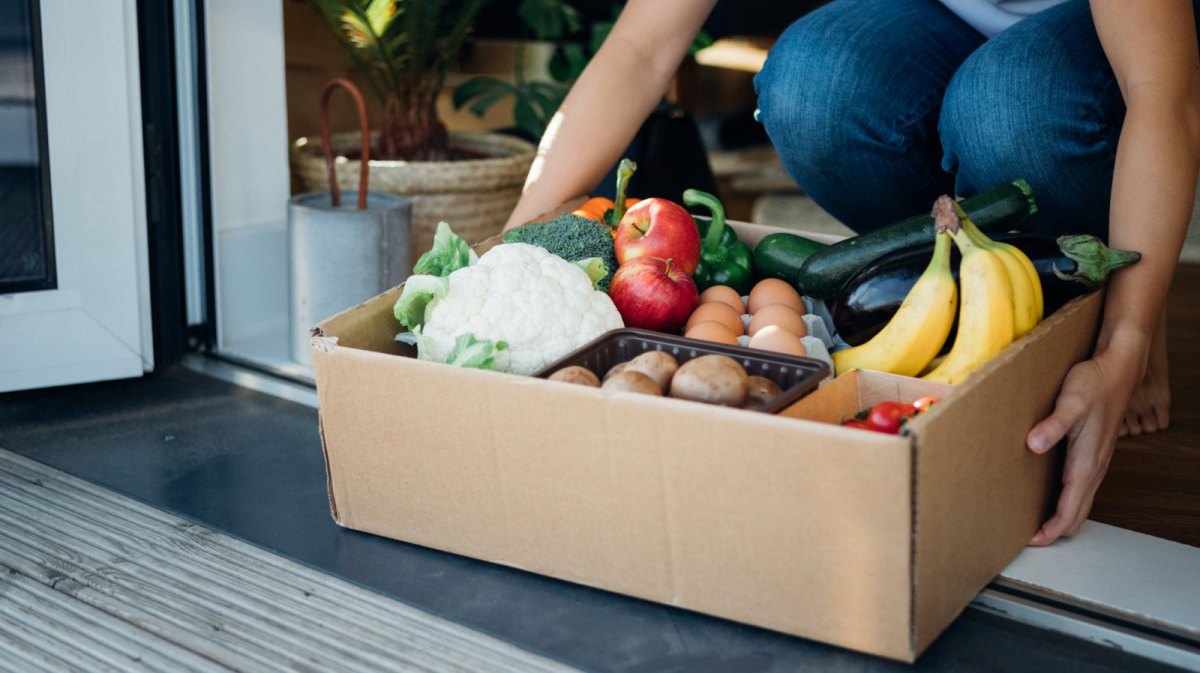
469, 351
419, 295
595, 269
448, 254
574, 239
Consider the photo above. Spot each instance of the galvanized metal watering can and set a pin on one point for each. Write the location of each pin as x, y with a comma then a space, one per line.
341, 255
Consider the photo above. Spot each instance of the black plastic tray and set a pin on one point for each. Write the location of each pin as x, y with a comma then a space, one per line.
797, 376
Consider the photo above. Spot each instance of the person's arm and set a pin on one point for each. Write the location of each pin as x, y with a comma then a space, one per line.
625, 80
1152, 47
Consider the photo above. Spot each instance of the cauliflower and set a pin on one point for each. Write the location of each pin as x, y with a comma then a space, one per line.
517, 309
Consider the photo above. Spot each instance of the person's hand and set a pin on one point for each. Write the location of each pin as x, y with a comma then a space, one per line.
1088, 412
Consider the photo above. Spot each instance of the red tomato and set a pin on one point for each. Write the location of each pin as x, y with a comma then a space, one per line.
887, 416
923, 403
855, 423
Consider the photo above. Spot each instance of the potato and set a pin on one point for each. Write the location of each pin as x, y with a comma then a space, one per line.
761, 391
615, 369
657, 365
715, 379
632, 382
576, 374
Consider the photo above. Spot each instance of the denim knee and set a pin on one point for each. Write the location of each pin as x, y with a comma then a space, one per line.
849, 96
806, 134
1038, 102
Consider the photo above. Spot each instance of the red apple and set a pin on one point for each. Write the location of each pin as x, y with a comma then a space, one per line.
658, 228
653, 293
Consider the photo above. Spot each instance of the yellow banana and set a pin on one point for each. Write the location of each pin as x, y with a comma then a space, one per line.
985, 317
1035, 281
913, 336
1026, 287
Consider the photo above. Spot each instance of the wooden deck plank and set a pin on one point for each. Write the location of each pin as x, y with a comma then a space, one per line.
95, 580
122, 645
159, 546
213, 558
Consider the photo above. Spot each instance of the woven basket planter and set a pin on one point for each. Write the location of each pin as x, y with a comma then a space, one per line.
474, 196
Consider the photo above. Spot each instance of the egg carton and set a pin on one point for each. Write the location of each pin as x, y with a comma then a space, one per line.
819, 310
821, 339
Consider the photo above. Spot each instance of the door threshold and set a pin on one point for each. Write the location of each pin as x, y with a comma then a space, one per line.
263, 380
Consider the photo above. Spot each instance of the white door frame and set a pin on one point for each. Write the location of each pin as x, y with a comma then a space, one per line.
96, 324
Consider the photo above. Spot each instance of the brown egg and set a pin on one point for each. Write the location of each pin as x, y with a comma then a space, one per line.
712, 331
716, 311
774, 291
777, 339
778, 314
725, 295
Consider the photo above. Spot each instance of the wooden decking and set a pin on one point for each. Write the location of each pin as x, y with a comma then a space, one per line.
93, 581
1153, 482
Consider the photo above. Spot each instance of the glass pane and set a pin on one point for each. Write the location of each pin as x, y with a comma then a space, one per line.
26, 249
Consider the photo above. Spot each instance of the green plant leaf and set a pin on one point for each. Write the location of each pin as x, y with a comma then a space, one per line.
701, 41
549, 19
527, 118
379, 15
501, 89
550, 91
568, 62
600, 31
473, 88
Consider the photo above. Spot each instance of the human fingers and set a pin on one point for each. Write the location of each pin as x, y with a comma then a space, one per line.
1088, 457
1066, 517
1069, 411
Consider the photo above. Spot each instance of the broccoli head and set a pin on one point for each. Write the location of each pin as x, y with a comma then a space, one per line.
573, 238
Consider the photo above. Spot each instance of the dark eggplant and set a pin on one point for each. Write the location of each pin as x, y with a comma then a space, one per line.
1068, 266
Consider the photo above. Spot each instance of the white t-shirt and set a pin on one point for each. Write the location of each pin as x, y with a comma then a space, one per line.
992, 16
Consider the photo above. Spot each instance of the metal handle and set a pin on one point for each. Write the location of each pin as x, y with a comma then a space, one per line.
335, 194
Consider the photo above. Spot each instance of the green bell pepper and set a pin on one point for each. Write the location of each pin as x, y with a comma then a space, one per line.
724, 260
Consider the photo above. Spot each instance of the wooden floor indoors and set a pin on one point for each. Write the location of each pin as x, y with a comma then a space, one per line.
1153, 483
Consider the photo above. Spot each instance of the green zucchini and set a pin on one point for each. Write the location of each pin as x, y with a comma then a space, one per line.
823, 274
781, 255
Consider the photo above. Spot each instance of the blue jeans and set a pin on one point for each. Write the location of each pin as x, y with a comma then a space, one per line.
879, 106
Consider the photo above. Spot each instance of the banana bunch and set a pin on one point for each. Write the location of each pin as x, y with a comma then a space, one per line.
1001, 296
915, 335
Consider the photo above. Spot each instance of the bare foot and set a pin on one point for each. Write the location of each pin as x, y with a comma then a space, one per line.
1149, 406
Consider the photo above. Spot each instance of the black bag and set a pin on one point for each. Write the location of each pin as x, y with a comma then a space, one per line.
670, 157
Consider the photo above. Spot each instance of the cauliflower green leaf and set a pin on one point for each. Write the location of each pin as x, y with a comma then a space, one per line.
595, 269
417, 299
469, 351
448, 254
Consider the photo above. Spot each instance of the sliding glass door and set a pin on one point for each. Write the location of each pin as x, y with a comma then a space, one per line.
26, 229
74, 303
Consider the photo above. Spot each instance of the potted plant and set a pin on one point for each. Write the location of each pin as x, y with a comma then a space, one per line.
535, 98
404, 49
668, 146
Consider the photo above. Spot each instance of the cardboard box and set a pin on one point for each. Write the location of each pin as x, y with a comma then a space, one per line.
790, 522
